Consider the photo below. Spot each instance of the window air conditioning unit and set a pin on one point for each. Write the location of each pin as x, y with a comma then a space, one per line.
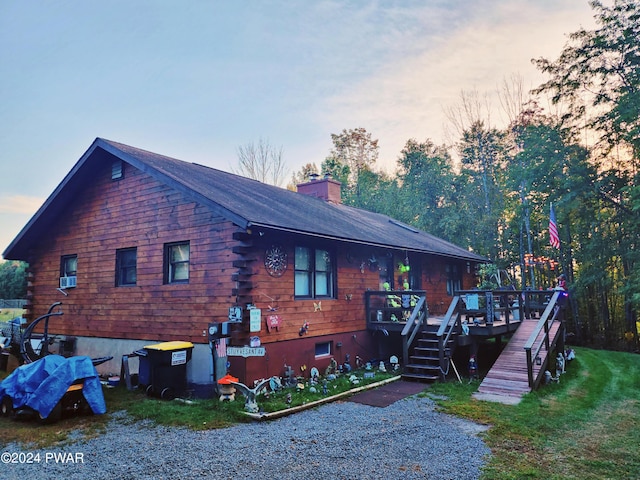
68, 282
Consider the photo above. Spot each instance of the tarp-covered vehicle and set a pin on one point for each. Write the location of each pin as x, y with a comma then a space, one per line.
52, 386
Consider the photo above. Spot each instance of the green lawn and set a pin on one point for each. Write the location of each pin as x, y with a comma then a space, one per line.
7, 314
586, 427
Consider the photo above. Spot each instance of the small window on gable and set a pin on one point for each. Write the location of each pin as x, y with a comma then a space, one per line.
126, 267
323, 349
117, 170
176, 263
68, 271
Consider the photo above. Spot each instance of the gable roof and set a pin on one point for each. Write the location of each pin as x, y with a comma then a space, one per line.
243, 201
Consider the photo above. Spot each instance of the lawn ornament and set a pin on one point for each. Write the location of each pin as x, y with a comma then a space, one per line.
346, 366
559, 364
275, 384
250, 394
225, 388
570, 354
289, 376
548, 378
381, 367
473, 368
395, 364
332, 367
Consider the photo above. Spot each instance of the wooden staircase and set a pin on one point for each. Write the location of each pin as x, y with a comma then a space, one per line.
424, 361
507, 380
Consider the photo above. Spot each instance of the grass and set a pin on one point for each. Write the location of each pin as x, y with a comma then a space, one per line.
586, 427
7, 314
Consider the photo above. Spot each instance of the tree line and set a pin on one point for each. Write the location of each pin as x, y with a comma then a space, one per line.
492, 189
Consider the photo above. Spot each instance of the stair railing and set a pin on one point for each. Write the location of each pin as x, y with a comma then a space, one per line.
450, 324
413, 326
540, 338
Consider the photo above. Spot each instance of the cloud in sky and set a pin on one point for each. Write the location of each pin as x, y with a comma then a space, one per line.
195, 80
20, 204
15, 211
407, 97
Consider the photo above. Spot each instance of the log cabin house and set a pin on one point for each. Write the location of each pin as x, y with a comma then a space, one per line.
141, 248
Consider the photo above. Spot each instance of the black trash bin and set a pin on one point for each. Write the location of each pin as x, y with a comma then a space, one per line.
164, 368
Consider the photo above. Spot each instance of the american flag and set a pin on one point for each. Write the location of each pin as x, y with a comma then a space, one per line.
554, 239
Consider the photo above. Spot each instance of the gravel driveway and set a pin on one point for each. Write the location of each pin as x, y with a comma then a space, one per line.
340, 440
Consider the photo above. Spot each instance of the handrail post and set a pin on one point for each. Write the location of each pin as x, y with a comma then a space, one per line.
529, 367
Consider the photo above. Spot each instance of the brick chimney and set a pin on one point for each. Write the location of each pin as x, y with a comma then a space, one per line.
325, 188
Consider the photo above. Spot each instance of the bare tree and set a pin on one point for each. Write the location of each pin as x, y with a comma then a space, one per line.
473, 108
513, 97
262, 162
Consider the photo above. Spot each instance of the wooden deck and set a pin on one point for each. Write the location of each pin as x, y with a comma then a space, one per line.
507, 380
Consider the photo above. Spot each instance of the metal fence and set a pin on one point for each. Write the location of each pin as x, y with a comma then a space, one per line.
16, 303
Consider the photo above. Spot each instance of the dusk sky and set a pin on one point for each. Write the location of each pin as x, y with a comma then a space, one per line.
195, 80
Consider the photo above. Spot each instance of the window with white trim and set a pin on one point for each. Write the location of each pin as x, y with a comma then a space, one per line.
323, 349
68, 271
176, 263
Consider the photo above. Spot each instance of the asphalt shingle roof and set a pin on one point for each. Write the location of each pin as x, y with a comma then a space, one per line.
246, 202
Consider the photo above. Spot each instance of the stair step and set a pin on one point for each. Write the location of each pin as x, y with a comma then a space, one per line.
427, 349
421, 366
420, 377
428, 341
425, 358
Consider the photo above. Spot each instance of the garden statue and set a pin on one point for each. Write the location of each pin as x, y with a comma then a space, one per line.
315, 375
332, 367
250, 394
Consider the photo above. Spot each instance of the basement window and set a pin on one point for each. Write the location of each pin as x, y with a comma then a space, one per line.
323, 349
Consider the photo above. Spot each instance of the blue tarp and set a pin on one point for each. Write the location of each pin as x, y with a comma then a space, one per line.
40, 385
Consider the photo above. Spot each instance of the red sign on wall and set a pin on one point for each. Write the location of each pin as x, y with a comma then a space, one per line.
273, 321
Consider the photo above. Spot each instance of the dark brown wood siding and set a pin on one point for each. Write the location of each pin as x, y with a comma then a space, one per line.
344, 313
226, 268
136, 211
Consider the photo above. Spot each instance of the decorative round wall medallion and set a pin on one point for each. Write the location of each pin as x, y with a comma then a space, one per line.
275, 260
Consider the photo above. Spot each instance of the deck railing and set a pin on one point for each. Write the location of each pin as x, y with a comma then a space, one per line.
541, 338
390, 310
413, 325
451, 323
